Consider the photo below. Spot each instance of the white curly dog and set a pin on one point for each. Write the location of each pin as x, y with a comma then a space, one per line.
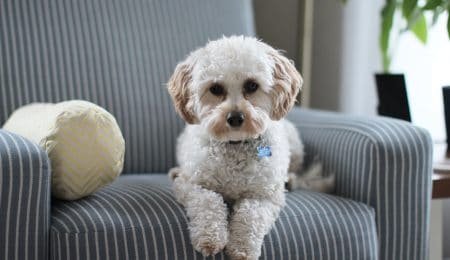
237, 149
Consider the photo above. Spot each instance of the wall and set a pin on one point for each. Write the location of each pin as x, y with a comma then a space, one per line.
287, 26
344, 38
277, 23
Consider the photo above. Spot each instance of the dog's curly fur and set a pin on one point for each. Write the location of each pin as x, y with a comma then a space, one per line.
218, 163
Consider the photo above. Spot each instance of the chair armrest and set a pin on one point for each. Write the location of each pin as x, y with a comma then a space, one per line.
385, 163
24, 199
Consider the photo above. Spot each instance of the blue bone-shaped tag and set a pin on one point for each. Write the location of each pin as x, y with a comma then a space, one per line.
264, 151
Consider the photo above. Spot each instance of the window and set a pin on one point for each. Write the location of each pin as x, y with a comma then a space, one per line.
427, 70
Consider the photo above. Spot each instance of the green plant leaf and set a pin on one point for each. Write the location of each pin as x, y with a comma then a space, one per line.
387, 18
432, 4
419, 28
448, 21
408, 7
436, 13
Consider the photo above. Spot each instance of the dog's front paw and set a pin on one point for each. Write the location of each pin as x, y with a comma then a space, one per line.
240, 254
210, 244
243, 247
209, 238
208, 248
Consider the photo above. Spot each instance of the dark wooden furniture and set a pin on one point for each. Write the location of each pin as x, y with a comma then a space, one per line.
441, 172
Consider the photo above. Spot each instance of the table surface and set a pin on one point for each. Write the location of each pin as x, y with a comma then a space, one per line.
441, 172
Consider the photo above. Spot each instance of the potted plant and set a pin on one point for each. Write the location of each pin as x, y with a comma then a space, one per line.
413, 14
391, 88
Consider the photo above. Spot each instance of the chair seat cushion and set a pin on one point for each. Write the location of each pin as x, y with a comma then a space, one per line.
137, 217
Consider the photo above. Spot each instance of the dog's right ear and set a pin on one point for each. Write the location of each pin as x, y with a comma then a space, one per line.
178, 87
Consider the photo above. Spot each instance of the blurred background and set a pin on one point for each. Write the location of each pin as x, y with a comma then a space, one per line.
344, 56
336, 47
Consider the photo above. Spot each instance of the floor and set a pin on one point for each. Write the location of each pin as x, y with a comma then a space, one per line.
436, 227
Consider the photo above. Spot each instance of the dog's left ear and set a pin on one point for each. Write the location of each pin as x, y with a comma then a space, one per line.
180, 92
287, 84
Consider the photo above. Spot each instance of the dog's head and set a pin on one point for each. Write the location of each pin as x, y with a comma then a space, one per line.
234, 87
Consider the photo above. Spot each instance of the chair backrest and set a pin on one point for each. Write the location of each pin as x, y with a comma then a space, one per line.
116, 53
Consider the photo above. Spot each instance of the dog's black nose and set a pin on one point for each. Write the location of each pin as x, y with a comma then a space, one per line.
235, 119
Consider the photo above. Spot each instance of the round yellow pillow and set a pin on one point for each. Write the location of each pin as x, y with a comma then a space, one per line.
83, 141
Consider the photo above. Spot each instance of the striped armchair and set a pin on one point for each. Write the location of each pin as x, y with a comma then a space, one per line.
119, 54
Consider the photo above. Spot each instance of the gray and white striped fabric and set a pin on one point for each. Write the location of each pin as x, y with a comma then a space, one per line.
116, 53
384, 163
24, 199
138, 218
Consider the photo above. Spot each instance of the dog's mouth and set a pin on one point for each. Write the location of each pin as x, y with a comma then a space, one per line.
246, 141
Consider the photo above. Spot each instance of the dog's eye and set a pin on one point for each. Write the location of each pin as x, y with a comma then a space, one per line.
250, 86
216, 90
